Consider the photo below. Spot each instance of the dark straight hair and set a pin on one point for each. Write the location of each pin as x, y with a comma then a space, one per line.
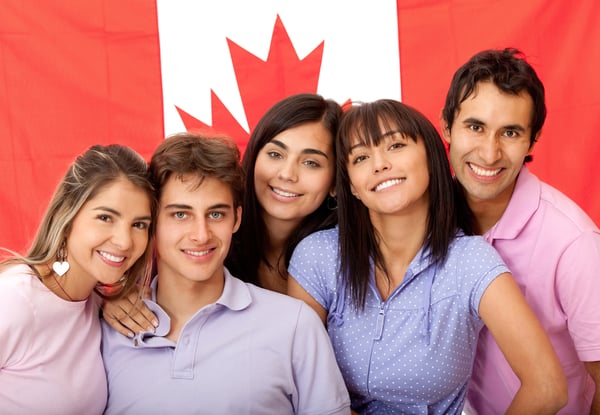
358, 240
249, 242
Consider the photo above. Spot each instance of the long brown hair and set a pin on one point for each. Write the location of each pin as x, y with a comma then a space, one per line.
89, 174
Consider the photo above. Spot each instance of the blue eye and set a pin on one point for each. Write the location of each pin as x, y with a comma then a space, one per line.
216, 215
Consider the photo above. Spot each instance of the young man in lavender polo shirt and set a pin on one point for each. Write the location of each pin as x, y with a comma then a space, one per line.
222, 346
493, 116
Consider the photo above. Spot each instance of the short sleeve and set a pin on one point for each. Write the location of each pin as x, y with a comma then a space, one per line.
578, 283
314, 266
320, 386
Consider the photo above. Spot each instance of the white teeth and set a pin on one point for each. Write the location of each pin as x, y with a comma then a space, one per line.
388, 183
197, 253
111, 257
284, 193
484, 172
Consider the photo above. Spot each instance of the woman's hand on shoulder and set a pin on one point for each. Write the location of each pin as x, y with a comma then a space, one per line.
129, 314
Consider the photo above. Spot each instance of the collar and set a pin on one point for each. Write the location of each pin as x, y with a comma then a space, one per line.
236, 297
522, 205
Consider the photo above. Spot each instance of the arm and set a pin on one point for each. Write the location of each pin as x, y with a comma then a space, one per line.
129, 315
507, 315
295, 290
593, 369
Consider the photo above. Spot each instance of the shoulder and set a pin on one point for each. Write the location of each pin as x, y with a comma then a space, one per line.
473, 257
470, 245
321, 243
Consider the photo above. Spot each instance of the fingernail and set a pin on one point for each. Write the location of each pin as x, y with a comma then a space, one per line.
150, 329
155, 323
130, 335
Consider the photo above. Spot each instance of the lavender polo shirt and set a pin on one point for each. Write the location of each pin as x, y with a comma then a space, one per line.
553, 251
252, 352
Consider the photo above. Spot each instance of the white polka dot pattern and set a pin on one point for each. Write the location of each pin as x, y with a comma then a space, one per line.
414, 352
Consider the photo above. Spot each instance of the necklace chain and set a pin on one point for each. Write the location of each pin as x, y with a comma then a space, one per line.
59, 285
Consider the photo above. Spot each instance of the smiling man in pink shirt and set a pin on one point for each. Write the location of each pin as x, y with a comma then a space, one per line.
492, 118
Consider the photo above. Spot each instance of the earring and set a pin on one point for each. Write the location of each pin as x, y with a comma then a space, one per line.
61, 266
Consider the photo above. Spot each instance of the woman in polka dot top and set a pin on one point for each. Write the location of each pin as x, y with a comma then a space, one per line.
403, 292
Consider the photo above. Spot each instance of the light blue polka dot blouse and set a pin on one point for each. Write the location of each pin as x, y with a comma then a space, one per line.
413, 353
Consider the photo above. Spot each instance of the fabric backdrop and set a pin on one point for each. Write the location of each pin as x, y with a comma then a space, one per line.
73, 74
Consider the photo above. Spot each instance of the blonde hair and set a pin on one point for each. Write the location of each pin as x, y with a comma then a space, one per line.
90, 173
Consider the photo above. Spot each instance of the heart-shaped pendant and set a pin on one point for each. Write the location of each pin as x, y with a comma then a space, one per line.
60, 267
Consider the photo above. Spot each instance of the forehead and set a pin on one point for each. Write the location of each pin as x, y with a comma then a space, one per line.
492, 106
306, 136
192, 190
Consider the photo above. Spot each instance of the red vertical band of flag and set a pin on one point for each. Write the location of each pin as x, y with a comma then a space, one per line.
77, 74
71, 75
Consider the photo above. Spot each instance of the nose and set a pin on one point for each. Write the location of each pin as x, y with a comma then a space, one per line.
380, 162
490, 150
288, 171
200, 232
123, 238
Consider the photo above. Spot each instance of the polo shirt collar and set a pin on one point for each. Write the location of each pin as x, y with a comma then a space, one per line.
236, 296
523, 203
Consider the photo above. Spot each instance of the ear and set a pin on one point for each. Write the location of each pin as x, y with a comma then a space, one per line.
238, 219
445, 127
535, 140
354, 192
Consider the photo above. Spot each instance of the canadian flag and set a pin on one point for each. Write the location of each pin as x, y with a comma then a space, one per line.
73, 74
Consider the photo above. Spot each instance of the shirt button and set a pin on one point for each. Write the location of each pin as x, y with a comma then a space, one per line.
186, 340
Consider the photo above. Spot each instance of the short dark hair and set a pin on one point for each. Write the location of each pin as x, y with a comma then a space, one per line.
509, 71
357, 237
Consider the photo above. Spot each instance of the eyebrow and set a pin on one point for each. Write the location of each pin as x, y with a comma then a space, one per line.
188, 207
118, 214
507, 127
382, 136
304, 151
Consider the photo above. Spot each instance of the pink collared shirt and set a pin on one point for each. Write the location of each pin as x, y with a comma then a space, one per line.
553, 251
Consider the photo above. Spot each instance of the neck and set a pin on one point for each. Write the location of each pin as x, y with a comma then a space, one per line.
400, 239
486, 213
69, 287
182, 298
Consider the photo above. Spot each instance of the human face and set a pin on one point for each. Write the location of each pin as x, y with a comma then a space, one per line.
110, 233
489, 140
194, 229
294, 172
392, 177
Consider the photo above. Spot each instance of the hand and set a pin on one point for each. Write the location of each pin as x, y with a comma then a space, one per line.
129, 315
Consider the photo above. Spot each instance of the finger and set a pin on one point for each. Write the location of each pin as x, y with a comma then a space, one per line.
116, 324
141, 315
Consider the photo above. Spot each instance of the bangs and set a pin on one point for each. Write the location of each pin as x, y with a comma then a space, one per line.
368, 123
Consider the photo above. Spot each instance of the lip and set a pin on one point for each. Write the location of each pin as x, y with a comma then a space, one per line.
482, 173
199, 254
111, 259
388, 183
282, 194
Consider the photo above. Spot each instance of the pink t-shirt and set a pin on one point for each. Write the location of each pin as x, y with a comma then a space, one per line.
50, 361
553, 251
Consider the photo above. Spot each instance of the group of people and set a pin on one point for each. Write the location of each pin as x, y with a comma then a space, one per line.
426, 281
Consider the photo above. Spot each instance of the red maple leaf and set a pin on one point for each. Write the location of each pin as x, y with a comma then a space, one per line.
261, 84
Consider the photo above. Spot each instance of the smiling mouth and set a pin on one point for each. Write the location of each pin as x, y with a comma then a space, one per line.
111, 257
283, 193
388, 183
197, 253
484, 172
